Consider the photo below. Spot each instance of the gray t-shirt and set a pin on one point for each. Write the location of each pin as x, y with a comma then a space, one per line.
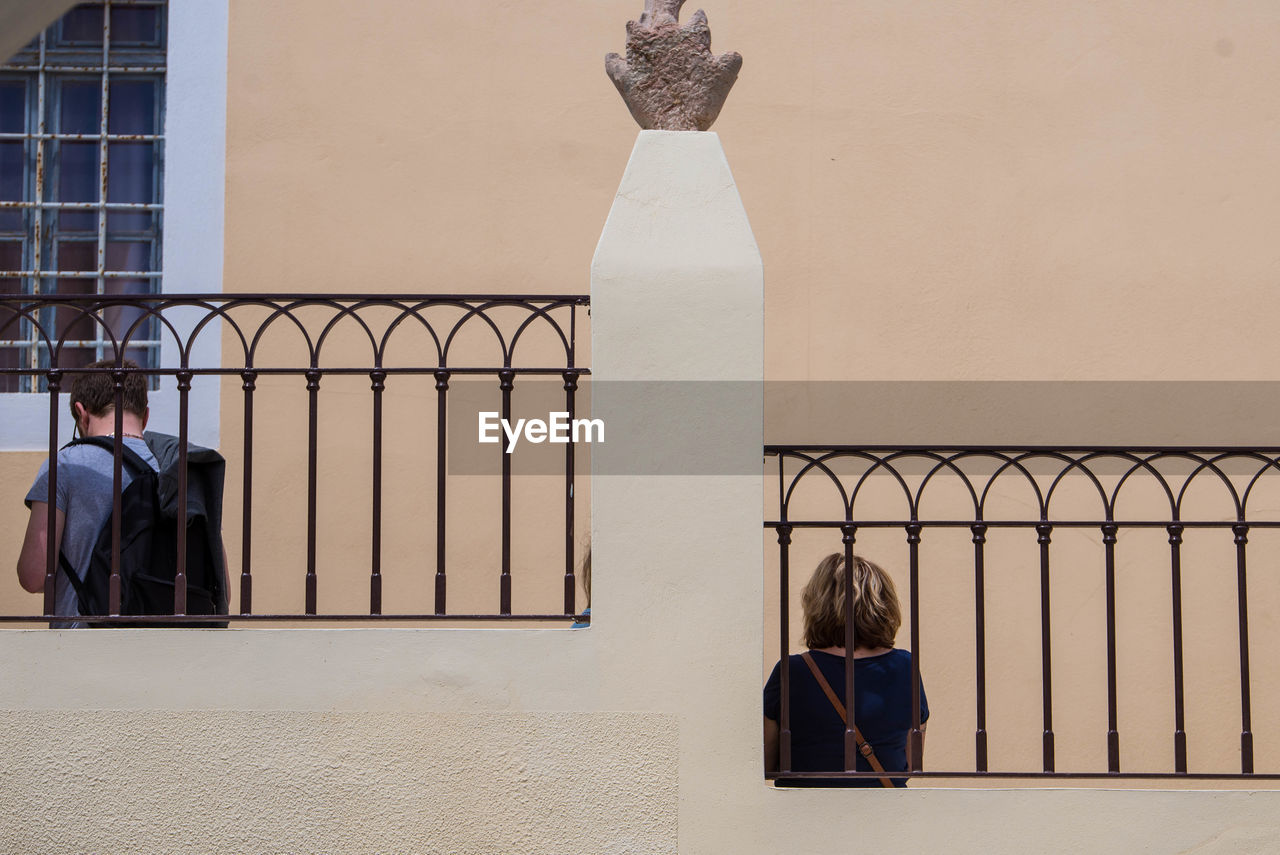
84, 496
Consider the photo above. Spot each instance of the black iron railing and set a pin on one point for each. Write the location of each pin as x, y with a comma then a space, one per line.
1183, 490
457, 336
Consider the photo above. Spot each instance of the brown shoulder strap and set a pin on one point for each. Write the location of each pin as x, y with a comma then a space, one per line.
864, 747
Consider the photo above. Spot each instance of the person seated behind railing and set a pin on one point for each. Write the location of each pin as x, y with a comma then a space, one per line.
882, 679
85, 499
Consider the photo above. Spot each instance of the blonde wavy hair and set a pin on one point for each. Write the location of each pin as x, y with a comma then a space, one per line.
876, 612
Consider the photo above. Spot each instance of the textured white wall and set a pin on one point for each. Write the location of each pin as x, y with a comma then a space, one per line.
289, 781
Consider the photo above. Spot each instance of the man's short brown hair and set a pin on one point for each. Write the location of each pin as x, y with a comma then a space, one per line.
97, 392
876, 612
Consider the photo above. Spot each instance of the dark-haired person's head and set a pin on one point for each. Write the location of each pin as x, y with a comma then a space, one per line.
94, 394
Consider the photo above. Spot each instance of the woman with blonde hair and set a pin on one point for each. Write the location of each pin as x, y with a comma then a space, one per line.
882, 678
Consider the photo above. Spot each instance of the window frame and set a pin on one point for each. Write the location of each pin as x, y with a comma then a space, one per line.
193, 191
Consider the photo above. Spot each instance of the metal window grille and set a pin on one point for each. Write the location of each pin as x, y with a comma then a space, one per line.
81, 168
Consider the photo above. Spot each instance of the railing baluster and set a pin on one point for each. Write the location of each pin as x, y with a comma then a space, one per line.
506, 382
848, 531
51, 543
916, 736
570, 390
979, 530
442, 411
1179, 717
313, 430
377, 380
1113, 735
784, 660
1241, 531
114, 591
249, 377
180, 576
1043, 532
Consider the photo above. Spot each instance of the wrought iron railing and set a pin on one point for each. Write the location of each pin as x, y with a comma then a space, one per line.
457, 337
1034, 494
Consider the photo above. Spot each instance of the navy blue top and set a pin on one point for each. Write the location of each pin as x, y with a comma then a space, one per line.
882, 711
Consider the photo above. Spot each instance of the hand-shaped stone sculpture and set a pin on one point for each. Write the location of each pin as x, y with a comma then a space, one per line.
670, 80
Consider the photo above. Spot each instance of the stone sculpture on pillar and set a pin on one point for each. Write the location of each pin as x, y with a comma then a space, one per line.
670, 80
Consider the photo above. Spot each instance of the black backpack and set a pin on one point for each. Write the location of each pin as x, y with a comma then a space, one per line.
149, 552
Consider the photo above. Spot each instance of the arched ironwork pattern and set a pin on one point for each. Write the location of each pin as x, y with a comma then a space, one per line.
1112, 490
313, 337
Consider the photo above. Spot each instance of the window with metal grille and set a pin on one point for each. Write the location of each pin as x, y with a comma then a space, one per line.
81, 176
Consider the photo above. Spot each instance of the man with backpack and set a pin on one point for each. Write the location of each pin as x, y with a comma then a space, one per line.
85, 493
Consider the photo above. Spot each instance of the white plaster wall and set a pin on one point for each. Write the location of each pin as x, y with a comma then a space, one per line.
194, 197
640, 734
678, 295
361, 740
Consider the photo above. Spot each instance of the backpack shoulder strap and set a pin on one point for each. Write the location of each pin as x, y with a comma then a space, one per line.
82, 595
864, 747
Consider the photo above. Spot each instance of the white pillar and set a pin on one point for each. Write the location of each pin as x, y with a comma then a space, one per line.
677, 293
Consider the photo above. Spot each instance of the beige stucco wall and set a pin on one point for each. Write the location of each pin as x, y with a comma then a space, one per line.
913, 174
972, 191
963, 174
926, 185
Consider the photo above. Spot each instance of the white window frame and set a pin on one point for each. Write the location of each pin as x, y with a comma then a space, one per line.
195, 196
